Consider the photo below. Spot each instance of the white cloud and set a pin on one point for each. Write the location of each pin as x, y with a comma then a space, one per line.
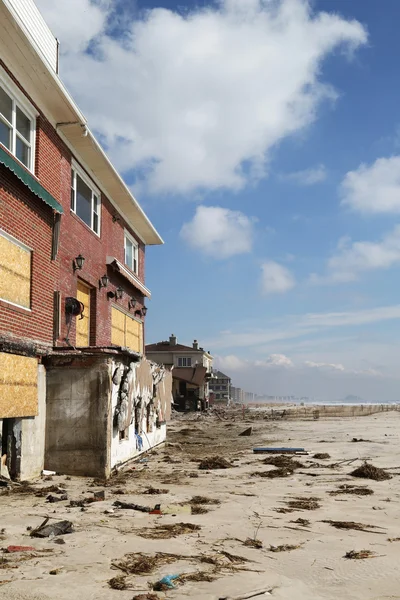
229, 363
352, 259
373, 189
219, 232
275, 278
197, 100
298, 326
339, 368
308, 176
275, 361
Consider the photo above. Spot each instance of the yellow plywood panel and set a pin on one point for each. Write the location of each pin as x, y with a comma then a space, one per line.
83, 325
133, 336
117, 327
15, 272
18, 386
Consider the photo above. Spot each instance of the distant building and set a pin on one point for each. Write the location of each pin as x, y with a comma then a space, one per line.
220, 387
191, 370
236, 394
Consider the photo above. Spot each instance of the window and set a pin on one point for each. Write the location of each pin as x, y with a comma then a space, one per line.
126, 331
85, 200
15, 271
184, 361
17, 127
131, 253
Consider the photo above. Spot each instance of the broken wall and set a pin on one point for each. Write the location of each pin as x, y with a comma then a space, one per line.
141, 405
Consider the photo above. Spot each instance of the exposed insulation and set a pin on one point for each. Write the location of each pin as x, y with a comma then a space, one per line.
18, 386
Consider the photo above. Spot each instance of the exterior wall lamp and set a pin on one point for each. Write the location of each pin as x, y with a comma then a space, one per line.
78, 262
119, 292
103, 281
132, 303
144, 311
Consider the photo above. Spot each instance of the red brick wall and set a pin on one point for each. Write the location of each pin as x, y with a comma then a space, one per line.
53, 169
27, 218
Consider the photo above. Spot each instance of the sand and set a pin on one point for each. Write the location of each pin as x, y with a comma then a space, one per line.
315, 569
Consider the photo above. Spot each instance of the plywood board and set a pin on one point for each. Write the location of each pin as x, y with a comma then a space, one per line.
83, 325
15, 272
117, 327
18, 386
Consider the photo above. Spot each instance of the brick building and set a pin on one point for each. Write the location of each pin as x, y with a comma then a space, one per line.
72, 258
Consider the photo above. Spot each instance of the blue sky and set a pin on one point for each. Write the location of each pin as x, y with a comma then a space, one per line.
263, 140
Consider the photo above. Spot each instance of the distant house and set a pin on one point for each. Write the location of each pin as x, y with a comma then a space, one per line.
191, 370
220, 388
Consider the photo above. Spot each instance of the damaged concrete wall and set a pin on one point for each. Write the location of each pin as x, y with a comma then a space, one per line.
103, 411
33, 434
141, 405
78, 408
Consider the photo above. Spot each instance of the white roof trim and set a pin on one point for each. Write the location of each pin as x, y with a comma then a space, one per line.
111, 260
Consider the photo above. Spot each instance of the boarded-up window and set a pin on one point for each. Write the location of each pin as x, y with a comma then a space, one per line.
15, 271
126, 331
18, 386
83, 324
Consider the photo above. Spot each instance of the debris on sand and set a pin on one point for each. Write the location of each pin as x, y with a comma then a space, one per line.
368, 471
283, 510
246, 432
118, 583
303, 522
148, 596
284, 547
321, 455
394, 539
155, 491
214, 462
253, 543
359, 554
283, 472
361, 490
168, 531
137, 563
311, 503
132, 506
283, 461
59, 528
352, 525
204, 500
196, 576
198, 509
360, 440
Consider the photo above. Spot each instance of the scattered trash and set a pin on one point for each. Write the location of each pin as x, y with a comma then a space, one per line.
321, 455
361, 490
359, 554
311, 503
283, 461
360, 440
394, 539
131, 506
147, 596
154, 491
59, 528
246, 432
137, 563
166, 583
368, 471
198, 509
118, 583
279, 451
214, 462
168, 531
55, 571
253, 543
284, 547
247, 595
203, 500
300, 521
48, 473
11, 549
353, 525
50, 498
98, 496
59, 541
282, 472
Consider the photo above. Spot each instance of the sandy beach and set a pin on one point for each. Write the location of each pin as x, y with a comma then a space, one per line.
249, 506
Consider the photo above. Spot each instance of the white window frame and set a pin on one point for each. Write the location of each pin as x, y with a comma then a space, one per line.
20, 101
184, 360
96, 196
128, 236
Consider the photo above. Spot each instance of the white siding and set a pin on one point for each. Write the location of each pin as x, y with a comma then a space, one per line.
28, 17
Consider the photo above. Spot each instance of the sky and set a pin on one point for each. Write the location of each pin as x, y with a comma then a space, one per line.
262, 138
